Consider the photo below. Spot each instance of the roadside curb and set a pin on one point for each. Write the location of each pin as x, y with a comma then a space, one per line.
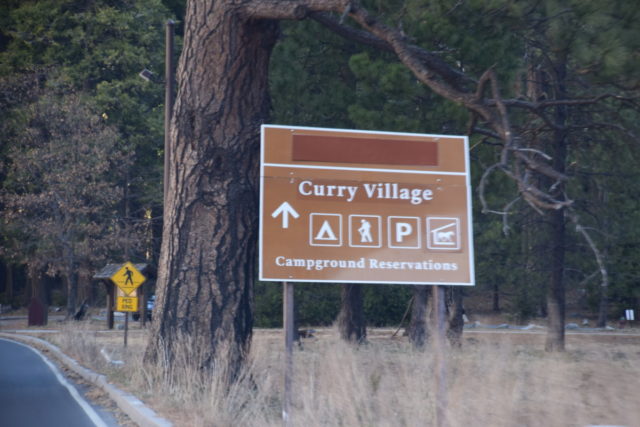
128, 403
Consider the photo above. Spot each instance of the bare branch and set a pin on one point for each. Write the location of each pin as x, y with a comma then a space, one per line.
503, 116
485, 132
275, 10
588, 278
594, 248
444, 70
483, 184
539, 167
278, 9
541, 105
426, 74
516, 160
533, 150
541, 199
505, 216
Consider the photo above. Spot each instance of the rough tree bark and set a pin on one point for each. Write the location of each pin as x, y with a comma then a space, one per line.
206, 270
207, 264
351, 322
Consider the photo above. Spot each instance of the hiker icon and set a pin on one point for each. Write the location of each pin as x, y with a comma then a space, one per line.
365, 231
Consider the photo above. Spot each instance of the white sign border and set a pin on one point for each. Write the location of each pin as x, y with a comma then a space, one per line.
466, 173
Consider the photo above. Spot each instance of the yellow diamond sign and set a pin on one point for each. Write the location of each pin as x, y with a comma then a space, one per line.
128, 278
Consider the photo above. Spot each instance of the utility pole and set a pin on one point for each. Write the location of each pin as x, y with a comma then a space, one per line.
169, 87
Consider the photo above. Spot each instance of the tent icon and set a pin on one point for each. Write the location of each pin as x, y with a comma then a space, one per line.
325, 229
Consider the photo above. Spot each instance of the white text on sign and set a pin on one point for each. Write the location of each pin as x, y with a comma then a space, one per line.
378, 191
365, 264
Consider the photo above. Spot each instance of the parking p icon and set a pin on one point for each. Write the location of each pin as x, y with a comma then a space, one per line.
404, 232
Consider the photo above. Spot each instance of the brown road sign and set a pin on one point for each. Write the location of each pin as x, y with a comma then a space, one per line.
128, 278
364, 207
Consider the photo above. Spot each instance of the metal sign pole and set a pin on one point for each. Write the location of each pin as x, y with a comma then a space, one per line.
441, 363
126, 327
288, 354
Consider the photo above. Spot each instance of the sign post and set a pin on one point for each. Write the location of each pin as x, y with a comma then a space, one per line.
440, 361
127, 279
288, 322
343, 206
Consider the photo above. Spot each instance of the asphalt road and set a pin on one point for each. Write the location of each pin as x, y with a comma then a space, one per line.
33, 393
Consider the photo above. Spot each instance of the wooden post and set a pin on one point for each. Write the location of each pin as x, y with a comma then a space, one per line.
126, 327
142, 305
111, 291
288, 310
439, 340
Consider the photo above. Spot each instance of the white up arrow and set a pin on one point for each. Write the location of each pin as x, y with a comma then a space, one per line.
285, 209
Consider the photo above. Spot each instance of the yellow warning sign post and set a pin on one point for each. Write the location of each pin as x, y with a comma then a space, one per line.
127, 279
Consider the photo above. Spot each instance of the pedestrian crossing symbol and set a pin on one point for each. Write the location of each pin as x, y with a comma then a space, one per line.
128, 278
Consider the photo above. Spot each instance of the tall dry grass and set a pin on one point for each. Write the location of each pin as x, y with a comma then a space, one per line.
387, 383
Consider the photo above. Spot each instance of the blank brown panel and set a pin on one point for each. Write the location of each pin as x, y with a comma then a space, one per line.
338, 149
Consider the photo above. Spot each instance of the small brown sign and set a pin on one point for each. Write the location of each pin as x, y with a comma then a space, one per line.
364, 207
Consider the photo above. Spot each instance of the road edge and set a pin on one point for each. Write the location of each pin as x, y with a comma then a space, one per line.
128, 403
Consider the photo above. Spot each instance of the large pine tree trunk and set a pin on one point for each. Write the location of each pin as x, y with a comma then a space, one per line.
207, 263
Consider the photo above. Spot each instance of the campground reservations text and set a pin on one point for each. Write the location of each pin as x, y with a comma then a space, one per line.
364, 263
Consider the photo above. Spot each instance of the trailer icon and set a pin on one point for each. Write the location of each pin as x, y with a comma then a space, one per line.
443, 233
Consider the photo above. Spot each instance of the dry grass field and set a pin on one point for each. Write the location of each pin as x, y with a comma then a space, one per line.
498, 378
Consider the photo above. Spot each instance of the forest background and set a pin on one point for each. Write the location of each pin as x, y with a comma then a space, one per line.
82, 143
